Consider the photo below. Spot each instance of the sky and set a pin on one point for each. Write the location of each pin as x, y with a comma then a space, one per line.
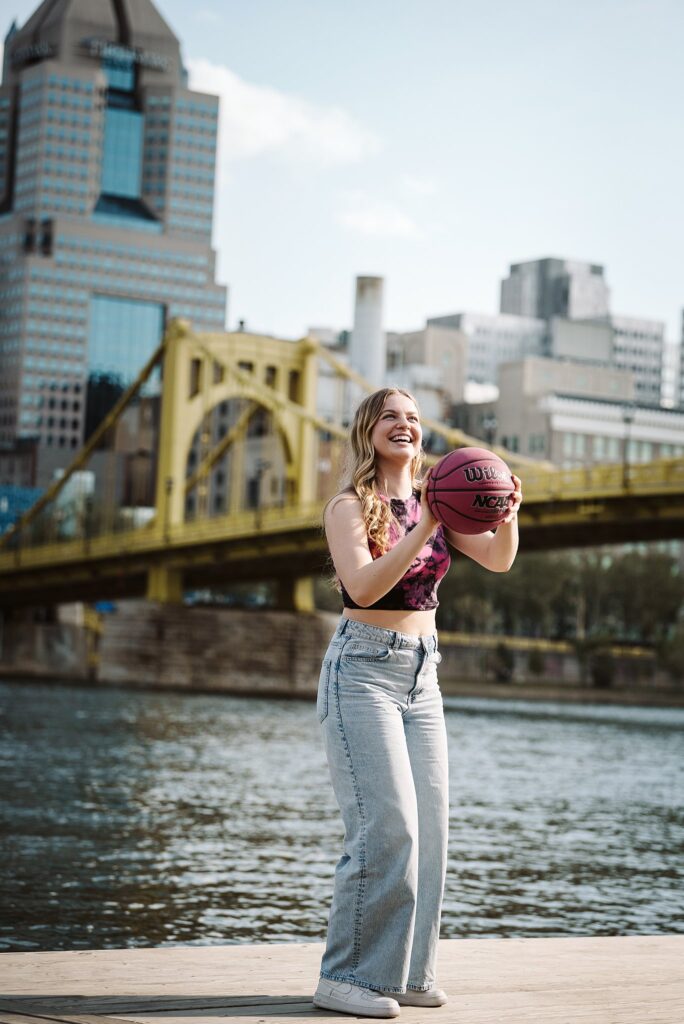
433, 143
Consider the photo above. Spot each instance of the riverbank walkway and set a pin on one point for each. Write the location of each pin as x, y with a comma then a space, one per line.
621, 980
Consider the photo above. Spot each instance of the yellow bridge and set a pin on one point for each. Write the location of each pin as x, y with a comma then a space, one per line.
268, 389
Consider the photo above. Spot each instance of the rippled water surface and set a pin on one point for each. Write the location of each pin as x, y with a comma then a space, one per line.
136, 818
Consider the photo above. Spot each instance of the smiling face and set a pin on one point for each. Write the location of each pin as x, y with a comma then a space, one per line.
397, 434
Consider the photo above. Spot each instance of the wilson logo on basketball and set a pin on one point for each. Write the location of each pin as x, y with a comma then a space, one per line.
469, 489
490, 501
475, 473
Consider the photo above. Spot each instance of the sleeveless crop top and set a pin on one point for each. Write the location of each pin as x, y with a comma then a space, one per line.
417, 588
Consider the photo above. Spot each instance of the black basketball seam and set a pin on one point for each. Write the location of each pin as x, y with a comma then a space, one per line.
473, 519
473, 490
463, 465
442, 479
464, 515
480, 458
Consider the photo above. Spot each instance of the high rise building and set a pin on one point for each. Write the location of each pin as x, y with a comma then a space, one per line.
560, 309
573, 413
107, 164
494, 339
639, 345
574, 297
552, 287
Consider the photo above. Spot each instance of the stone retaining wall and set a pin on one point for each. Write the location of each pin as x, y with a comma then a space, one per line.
54, 649
147, 644
150, 644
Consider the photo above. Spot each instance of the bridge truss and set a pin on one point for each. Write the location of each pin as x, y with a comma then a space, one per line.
279, 460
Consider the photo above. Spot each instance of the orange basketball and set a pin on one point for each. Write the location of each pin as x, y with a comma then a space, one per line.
468, 490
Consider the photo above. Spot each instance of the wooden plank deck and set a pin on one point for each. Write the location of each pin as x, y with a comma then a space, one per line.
625, 980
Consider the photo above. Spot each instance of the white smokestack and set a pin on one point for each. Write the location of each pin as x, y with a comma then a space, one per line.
368, 348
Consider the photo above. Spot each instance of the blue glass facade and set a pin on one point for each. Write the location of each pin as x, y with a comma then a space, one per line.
14, 501
123, 146
123, 334
120, 72
122, 153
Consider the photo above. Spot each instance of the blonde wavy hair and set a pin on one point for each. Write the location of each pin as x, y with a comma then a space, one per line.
360, 473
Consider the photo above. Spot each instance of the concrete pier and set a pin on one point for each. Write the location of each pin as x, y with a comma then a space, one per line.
622, 980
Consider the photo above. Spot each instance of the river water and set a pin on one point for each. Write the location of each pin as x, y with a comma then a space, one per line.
137, 818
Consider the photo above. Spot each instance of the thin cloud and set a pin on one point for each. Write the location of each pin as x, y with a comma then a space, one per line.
417, 185
378, 218
209, 17
257, 119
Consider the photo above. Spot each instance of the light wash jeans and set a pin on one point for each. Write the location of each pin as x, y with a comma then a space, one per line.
380, 707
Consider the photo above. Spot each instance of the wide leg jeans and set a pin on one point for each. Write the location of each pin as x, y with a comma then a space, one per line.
380, 708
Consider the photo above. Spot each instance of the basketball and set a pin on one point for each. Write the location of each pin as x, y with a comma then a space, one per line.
468, 490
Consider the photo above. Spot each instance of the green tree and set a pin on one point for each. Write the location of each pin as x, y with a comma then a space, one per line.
501, 662
644, 592
466, 599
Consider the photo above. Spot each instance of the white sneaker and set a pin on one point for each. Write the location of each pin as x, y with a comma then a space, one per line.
412, 997
348, 998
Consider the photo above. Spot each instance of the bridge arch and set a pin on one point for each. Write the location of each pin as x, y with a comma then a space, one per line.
241, 456
201, 371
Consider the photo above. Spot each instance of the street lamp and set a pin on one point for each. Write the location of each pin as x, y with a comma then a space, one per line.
628, 413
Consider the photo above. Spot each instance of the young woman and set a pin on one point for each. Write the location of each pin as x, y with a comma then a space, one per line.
380, 708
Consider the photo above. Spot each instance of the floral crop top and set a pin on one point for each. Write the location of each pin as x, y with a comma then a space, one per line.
417, 589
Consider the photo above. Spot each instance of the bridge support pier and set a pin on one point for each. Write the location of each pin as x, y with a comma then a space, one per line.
165, 585
296, 594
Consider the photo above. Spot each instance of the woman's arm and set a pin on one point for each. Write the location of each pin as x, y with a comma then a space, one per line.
366, 579
495, 551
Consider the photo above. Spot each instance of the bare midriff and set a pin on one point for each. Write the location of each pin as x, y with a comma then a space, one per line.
417, 623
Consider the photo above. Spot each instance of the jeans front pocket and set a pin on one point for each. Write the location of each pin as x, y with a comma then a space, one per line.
322, 697
365, 650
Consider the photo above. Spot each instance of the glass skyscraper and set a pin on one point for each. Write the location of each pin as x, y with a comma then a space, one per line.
107, 165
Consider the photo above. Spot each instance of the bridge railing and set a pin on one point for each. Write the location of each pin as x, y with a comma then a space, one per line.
153, 536
607, 480
613, 480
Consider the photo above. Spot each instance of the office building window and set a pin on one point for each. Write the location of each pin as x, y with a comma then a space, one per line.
122, 153
120, 73
123, 334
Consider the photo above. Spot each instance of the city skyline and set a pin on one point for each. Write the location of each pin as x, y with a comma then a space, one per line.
434, 146
107, 171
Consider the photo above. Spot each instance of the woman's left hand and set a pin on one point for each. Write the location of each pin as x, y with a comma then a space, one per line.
516, 498
425, 511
